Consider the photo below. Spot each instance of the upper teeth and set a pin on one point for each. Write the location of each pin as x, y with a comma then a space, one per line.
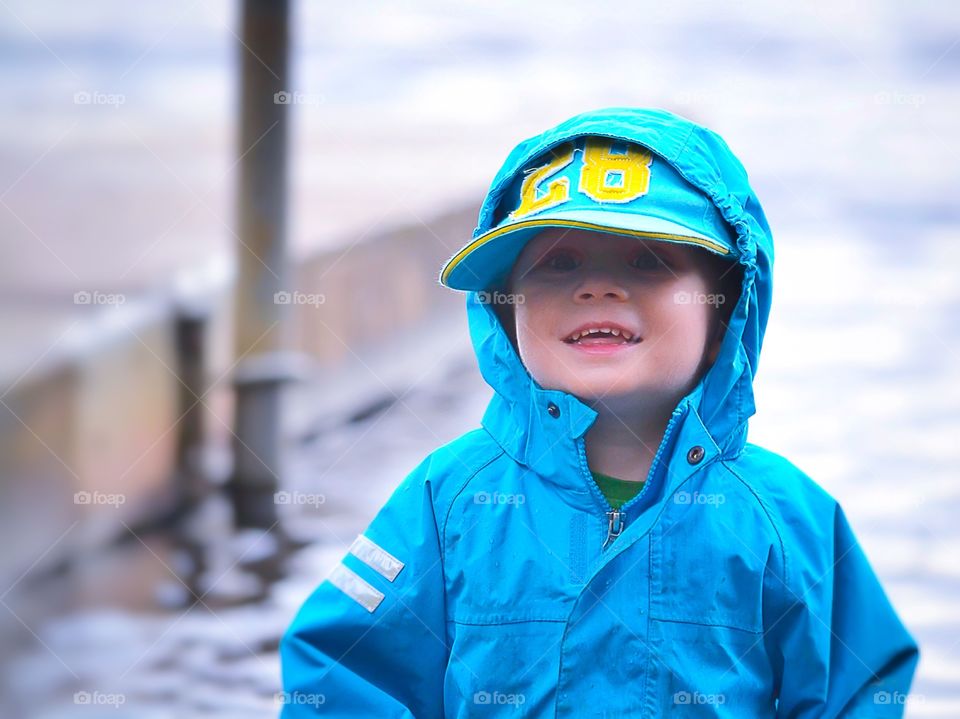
606, 330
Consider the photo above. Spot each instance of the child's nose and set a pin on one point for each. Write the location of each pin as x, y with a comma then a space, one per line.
602, 283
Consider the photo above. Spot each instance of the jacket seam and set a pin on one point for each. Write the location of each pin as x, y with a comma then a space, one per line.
670, 620
770, 519
498, 623
446, 519
443, 530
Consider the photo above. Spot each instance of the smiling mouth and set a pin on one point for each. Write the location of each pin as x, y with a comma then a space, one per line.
602, 336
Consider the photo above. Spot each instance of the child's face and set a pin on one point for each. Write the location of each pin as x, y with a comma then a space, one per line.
657, 291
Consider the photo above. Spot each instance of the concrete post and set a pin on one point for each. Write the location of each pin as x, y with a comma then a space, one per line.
261, 260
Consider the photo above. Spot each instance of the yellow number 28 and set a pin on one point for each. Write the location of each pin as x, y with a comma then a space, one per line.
605, 176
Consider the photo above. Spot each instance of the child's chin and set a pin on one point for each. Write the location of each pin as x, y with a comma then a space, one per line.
607, 392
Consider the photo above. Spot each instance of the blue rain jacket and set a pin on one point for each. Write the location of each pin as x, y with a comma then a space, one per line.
483, 587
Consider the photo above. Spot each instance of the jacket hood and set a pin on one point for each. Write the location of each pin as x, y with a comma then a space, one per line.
534, 424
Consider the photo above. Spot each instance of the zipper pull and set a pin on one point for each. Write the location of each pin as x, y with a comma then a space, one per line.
615, 524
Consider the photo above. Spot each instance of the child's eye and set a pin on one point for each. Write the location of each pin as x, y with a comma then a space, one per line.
649, 261
560, 261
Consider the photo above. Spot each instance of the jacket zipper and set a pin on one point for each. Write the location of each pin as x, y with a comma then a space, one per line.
615, 524
617, 518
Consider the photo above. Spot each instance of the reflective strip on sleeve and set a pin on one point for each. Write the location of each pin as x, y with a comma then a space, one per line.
351, 584
376, 557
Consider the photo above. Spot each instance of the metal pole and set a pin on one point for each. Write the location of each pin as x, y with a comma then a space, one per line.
261, 260
190, 329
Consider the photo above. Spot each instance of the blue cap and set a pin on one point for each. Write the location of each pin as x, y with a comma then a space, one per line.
590, 183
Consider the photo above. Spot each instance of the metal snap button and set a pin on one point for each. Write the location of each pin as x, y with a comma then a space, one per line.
695, 454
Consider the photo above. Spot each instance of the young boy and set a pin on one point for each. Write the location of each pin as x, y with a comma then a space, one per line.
607, 544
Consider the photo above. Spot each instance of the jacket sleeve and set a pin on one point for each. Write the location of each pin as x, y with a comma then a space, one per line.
370, 640
837, 645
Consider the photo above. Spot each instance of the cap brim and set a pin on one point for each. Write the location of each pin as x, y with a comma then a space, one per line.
486, 260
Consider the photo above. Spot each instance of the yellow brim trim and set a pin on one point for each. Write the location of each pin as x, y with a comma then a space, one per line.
579, 224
